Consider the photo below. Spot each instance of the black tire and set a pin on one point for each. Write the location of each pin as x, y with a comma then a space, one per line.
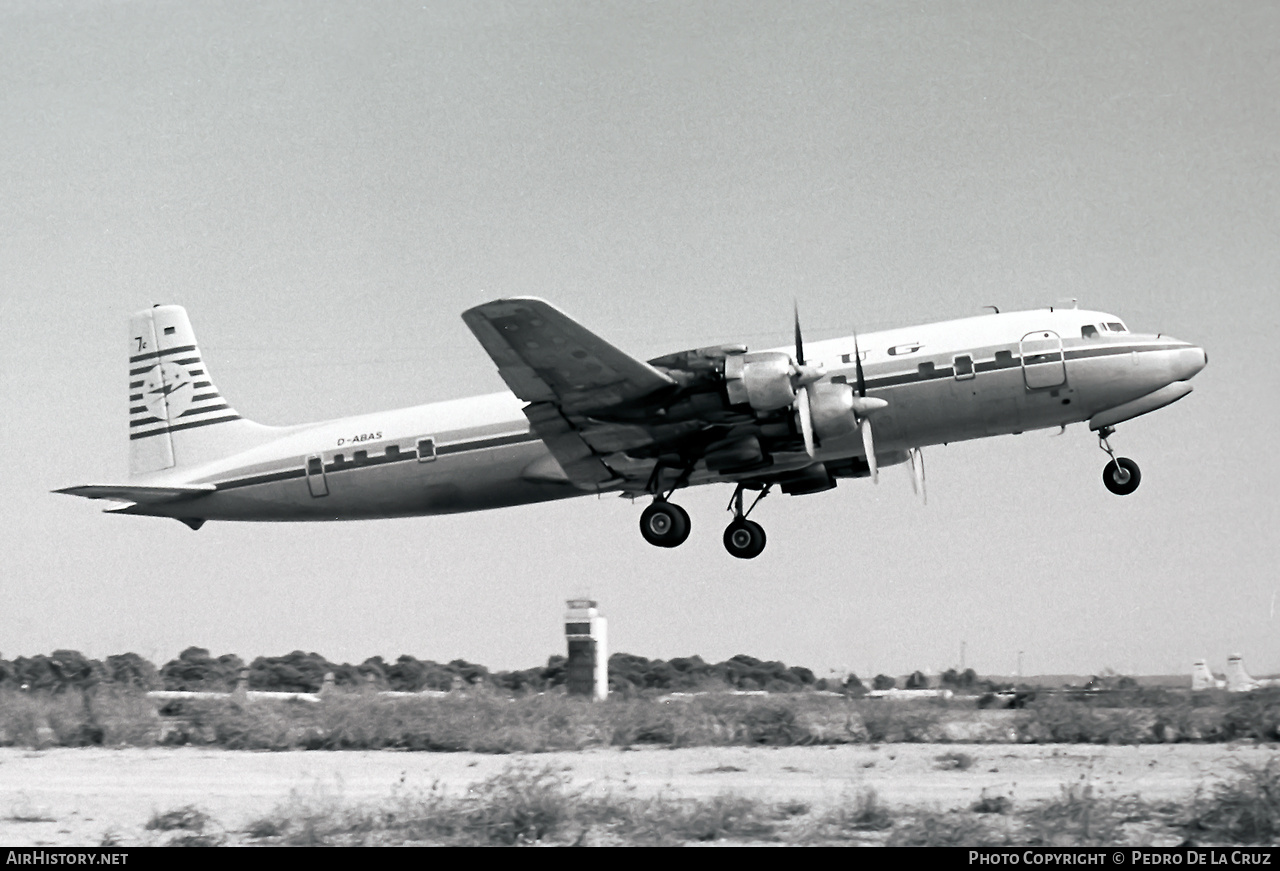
744, 539
1122, 476
664, 525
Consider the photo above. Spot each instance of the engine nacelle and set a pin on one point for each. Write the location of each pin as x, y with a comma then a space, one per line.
763, 380
831, 408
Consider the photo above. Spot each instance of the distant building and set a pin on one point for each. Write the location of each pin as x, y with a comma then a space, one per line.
587, 671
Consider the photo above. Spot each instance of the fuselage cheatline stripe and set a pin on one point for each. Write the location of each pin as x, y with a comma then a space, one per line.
404, 456
947, 372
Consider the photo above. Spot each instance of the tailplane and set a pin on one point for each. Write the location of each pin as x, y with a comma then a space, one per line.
177, 416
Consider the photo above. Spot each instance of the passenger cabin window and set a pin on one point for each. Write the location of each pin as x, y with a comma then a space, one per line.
839, 379
1089, 331
315, 466
964, 367
926, 370
393, 452
360, 457
1004, 358
426, 450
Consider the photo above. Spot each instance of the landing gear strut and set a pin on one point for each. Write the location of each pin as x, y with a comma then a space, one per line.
744, 538
1121, 476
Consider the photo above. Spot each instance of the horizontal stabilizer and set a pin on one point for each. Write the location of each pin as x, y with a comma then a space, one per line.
142, 495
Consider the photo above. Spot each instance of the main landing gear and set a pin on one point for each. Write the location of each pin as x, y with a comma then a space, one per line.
744, 538
664, 524
1122, 475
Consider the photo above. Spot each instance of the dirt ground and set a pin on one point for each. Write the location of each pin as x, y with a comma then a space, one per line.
75, 797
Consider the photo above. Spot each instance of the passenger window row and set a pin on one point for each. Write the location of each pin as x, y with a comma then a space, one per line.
425, 449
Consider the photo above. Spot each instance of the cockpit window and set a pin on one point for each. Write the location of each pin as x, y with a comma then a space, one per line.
1089, 331
1116, 328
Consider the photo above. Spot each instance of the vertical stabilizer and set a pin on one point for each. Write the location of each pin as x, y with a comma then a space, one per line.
1202, 678
177, 417
1238, 680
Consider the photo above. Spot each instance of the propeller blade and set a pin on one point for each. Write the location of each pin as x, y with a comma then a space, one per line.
917, 475
868, 445
857, 361
799, 340
806, 419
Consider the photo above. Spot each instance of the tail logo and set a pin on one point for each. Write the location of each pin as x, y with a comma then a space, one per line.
168, 383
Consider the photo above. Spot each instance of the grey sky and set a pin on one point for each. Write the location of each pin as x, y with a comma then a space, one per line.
326, 186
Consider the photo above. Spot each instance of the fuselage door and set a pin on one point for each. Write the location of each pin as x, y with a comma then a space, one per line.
1042, 363
315, 476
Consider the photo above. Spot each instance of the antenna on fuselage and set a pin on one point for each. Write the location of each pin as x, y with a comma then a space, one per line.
994, 308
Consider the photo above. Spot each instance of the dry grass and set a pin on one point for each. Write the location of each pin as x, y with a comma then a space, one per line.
528, 805
489, 722
1243, 810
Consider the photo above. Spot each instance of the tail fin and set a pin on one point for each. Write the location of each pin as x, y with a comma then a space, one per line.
177, 417
1238, 680
1202, 678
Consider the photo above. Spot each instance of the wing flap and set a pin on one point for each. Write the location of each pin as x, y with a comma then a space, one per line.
139, 495
584, 469
546, 356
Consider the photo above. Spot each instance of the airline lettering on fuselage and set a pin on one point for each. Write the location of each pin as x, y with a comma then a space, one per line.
363, 437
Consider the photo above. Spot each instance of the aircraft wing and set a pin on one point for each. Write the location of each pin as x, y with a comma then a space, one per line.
546, 356
568, 374
612, 421
141, 495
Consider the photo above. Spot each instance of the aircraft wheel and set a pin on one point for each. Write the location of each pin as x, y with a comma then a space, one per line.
744, 539
664, 525
1121, 476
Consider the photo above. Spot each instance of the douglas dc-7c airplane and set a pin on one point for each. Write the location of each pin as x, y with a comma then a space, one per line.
584, 417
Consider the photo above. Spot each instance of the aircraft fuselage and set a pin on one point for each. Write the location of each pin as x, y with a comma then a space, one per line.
991, 375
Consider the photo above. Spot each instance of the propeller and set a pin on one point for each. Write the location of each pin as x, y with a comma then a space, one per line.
803, 400
917, 474
862, 407
861, 404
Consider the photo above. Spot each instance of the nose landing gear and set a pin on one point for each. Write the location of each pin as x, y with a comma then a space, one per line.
1122, 475
743, 538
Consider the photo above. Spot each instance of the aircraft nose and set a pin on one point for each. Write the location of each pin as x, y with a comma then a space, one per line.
1190, 360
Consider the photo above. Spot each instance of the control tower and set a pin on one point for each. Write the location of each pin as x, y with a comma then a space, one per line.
587, 634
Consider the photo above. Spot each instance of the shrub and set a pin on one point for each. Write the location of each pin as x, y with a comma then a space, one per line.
951, 829
864, 813
1245, 810
954, 761
1078, 817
